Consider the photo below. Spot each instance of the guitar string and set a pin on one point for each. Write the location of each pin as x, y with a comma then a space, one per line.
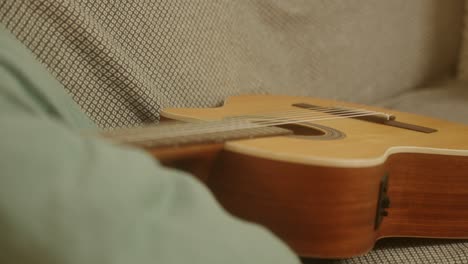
305, 114
231, 127
228, 124
320, 118
308, 109
268, 110
299, 113
146, 135
219, 126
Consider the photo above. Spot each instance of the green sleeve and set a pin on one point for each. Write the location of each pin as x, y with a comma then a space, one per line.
69, 199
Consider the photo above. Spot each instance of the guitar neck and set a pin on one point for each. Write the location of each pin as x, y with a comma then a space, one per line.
175, 134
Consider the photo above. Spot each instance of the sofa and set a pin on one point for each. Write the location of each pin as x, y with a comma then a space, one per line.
123, 61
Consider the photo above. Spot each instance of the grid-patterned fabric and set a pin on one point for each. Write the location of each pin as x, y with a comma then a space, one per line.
123, 60
409, 251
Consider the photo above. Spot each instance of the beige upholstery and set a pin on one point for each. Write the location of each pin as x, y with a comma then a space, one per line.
123, 60
447, 100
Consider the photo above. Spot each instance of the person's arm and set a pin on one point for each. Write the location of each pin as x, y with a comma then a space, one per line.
65, 199
69, 199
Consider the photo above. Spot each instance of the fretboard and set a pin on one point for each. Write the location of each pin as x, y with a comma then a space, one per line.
178, 133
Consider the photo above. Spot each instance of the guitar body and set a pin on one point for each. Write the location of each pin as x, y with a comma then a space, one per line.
334, 192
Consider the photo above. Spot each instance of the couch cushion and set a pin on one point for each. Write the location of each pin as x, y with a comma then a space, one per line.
447, 101
122, 60
409, 251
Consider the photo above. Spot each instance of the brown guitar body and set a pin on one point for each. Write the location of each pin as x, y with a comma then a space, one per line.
333, 215
324, 196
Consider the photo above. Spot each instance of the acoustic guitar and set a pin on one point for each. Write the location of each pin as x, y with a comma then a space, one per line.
329, 178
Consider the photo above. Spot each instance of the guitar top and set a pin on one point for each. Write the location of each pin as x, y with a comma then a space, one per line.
342, 138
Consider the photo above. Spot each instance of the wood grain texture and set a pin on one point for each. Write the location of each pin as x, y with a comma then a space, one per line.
429, 195
319, 211
329, 212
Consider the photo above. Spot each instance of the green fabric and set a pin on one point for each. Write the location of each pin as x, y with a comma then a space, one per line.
69, 199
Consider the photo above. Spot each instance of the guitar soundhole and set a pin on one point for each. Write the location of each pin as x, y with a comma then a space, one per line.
313, 131
303, 130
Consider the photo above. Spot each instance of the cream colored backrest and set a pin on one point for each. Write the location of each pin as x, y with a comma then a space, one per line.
122, 60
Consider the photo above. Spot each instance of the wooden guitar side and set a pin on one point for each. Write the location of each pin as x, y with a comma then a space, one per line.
330, 212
